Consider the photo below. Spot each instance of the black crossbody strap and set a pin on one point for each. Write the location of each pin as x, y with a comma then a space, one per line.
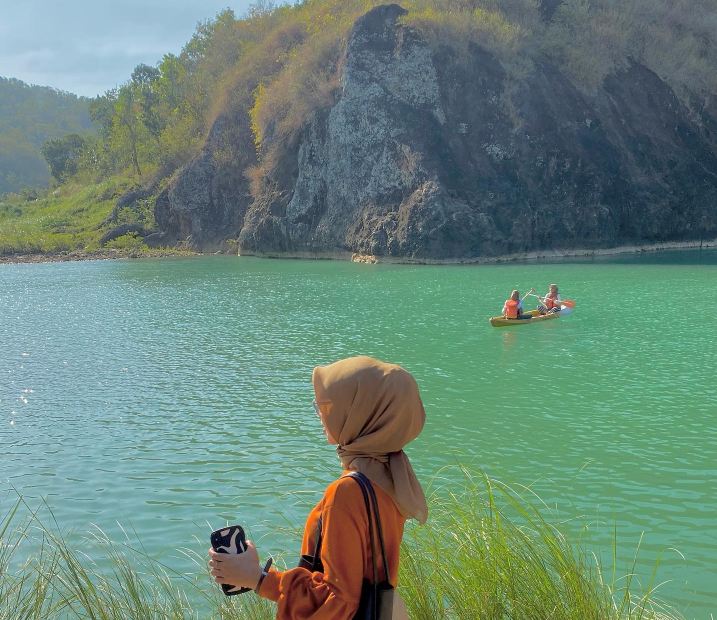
370, 499
366, 500
317, 548
377, 516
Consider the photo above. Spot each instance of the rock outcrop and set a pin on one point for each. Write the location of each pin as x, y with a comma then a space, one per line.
439, 154
205, 203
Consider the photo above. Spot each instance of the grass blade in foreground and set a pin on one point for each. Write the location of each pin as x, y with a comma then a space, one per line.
486, 553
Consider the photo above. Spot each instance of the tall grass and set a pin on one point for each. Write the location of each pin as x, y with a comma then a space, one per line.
488, 552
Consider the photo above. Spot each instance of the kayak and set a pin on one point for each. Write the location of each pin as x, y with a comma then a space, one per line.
499, 321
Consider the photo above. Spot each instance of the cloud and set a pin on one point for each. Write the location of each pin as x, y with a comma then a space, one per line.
88, 47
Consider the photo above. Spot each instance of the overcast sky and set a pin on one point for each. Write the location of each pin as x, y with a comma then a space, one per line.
89, 46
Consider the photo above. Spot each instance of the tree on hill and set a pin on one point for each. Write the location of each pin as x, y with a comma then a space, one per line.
63, 155
29, 116
280, 63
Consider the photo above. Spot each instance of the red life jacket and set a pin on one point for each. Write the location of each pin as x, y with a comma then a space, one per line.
550, 303
510, 309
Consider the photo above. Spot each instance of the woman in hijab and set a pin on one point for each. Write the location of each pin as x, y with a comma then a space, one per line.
370, 410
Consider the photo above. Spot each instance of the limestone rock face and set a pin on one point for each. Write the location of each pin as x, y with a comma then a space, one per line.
205, 203
438, 155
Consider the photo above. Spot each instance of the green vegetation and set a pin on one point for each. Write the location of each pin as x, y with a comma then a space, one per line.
280, 64
274, 68
486, 553
30, 115
499, 545
73, 219
63, 155
63, 220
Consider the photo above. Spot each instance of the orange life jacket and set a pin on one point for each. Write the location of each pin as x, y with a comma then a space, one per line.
550, 303
510, 309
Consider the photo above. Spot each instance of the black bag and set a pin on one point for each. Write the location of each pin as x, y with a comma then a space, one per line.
313, 562
376, 597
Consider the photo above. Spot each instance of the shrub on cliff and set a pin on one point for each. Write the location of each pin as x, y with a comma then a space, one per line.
281, 64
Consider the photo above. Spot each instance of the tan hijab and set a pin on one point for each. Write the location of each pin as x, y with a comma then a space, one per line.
372, 410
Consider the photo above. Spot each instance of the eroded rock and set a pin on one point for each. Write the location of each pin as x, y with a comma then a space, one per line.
435, 154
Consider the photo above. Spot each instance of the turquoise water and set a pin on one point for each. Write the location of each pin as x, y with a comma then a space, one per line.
171, 396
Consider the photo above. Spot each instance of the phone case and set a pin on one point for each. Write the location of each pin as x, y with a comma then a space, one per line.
230, 539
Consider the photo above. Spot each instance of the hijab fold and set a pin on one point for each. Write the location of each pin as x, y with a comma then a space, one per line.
372, 410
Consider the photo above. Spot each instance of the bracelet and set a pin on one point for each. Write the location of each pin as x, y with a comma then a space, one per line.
264, 573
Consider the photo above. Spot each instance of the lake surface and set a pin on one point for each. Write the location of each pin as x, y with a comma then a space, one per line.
172, 396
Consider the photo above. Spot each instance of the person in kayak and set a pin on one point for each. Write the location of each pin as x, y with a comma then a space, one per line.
551, 302
513, 306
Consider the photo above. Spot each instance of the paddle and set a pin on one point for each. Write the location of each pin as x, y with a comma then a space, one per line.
569, 303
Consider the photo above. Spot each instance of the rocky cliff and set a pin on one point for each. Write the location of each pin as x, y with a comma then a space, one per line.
431, 153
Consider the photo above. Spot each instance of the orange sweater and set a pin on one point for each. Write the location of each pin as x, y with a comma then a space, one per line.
345, 554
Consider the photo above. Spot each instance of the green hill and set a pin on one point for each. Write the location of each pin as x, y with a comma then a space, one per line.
29, 115
437, 129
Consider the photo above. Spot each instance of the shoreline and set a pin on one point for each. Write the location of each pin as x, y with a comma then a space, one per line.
81, 255
536, 256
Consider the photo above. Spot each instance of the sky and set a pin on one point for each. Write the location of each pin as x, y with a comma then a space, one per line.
87, 47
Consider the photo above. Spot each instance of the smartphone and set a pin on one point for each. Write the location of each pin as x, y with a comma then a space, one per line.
230, 539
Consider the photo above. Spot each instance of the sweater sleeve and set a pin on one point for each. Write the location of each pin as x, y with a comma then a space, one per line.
335, 593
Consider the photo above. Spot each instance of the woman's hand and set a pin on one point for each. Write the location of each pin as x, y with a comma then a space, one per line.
236, 569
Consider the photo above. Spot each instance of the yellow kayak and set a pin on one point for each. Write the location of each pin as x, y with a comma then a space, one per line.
499, 321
